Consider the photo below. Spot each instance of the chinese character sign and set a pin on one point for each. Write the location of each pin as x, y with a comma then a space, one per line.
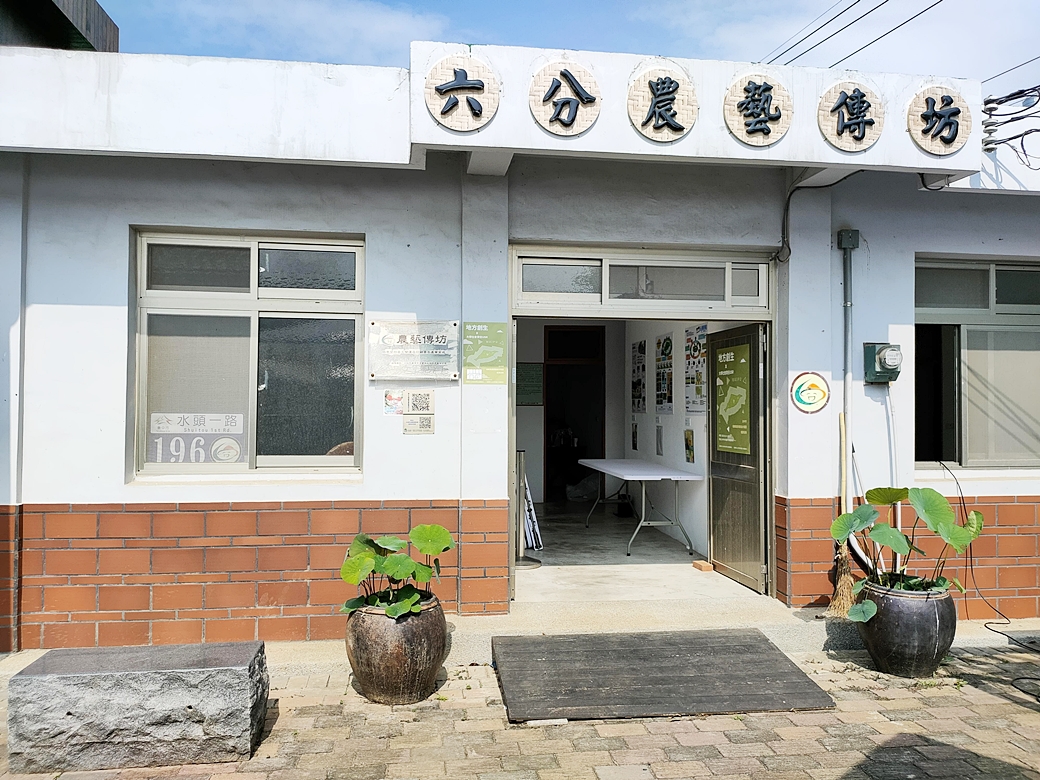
462, 93
484, 352
564, 98
939, 120
758, 110
423, 349
851, 117
662, 105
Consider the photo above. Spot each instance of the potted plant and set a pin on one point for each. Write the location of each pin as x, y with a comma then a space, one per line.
905, 613
396, 634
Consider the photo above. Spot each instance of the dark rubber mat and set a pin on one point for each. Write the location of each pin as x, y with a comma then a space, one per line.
592, 676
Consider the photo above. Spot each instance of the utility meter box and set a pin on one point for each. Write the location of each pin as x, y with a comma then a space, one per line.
881, 363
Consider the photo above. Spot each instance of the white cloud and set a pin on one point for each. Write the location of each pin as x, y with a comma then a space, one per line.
342, 31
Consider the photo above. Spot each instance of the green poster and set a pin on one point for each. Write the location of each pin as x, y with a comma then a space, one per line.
732, 399
484, 353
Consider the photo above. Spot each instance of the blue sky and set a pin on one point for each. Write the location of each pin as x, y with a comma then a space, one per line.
955, 38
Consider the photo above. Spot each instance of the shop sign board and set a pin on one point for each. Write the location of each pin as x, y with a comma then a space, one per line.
732, 399
810, 392
413, 349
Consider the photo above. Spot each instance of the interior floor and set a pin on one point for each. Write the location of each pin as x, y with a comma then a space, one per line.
580, 563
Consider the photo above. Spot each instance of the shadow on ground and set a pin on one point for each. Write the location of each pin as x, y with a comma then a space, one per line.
916, 756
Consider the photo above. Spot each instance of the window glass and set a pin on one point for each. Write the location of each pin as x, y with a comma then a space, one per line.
952, 288
675, 283
745, 281
543, 278
1001, 374
303, 269
1018, 287
305, 389
197, 401
208, 268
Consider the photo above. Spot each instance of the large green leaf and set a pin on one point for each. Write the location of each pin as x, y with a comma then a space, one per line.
853, 522
862, 612
353, 604
973, 524
402, 606
398, 566
957, 536
393, 543
883, 496
362, 545
932, 507
354, 570
887, 536
422, 573
431, 539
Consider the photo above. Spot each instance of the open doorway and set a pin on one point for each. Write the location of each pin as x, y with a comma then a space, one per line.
634, 391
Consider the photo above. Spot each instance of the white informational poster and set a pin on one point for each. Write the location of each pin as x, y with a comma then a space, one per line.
696, 368
639, 377
413, 350
663, 382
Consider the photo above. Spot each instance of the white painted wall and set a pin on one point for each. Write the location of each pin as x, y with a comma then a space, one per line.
530, 420
209, 107
12, 180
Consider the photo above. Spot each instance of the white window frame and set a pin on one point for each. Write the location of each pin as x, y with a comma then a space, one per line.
601, 305
1002, 317
303, 303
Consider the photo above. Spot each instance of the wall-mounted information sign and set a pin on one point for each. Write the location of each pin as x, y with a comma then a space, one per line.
423, 349
484, 353
529, 384
732, 400
196, 437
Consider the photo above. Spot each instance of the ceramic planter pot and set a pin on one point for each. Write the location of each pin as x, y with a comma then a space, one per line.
912, 630
395, 661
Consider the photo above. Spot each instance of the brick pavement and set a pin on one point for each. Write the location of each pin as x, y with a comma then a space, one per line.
968, 722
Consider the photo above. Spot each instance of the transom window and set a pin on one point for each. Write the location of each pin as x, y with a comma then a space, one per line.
978, 363
248, 354
623, 284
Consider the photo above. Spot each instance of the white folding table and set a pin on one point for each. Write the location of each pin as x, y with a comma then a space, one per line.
642, 471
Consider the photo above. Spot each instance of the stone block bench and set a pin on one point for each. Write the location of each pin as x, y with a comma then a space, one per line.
114, 707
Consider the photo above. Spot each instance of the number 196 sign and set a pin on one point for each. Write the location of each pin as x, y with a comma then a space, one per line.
196, 438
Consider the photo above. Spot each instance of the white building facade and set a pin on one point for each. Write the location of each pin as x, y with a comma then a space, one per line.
251, 308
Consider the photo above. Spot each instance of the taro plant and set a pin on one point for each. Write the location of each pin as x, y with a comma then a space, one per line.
389, 578
934, 512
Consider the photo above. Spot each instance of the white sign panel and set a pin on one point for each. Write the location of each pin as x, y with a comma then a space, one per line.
424, 349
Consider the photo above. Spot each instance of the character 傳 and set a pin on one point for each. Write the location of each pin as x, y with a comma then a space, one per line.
852, 111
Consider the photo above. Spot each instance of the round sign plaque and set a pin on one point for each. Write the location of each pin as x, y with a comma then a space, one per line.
810, 392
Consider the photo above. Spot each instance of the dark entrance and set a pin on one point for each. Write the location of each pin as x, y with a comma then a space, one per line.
736, 451
575, 404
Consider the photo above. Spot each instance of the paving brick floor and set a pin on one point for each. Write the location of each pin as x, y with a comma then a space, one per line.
968, 722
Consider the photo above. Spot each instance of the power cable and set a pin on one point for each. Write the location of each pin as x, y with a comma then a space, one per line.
1015, 683
806, 27
810, 35
861, 48
838, 32
1005, 72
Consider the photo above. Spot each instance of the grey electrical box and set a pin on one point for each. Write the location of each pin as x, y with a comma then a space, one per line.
881, 363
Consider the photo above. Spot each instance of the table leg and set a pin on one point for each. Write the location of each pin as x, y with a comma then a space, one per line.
599, 492
678, 520
642, 518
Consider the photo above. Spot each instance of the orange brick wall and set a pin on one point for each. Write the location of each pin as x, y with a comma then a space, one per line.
181, 573
1006, 555
8, 576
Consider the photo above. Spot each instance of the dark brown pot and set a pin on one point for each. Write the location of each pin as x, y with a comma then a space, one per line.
912, 630
395, 661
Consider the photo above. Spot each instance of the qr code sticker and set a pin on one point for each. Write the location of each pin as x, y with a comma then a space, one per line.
420, 402
418, 424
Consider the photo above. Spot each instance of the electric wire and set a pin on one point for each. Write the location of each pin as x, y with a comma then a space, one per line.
902, 24
1006, 621
1005, 72
811, 34
1018, 106
806, 27
784, 252
837, 32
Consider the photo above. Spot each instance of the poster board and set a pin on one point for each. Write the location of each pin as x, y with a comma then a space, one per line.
415, 349
530, 384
